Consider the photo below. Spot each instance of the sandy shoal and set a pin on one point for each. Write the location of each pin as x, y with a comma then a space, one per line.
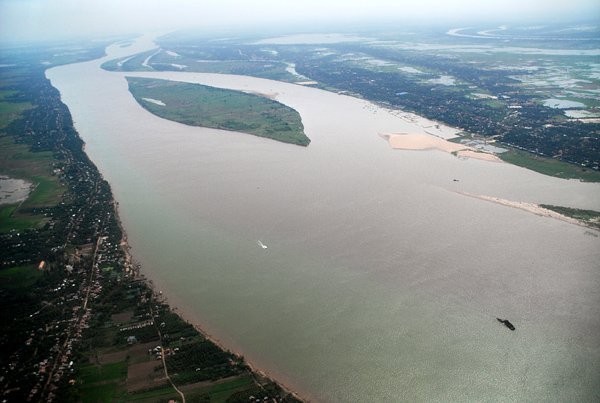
416, 141
529, 207
478, 155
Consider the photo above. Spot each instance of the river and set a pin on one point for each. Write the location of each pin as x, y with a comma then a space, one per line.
380, 281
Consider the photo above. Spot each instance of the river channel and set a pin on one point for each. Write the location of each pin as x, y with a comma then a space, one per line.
380, 281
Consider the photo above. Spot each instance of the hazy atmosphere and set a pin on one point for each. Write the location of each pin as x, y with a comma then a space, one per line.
49, 19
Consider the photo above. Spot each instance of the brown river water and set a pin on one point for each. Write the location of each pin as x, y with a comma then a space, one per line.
379, 281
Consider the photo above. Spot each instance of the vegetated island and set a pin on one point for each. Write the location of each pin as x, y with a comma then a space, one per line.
201, 105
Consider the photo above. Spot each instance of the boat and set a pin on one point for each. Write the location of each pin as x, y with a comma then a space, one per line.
506, 323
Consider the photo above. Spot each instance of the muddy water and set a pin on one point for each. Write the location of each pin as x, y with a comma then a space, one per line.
379, 282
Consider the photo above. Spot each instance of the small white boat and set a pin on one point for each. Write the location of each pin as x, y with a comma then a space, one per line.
262, 245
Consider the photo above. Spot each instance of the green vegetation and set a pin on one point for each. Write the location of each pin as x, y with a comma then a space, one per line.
10, 111
204, 62
48, 191
200, 105
10, 219
549, 166
103, 373
110, 369
155, 395
200, 361
107, 392
221, 391
20, 277
102, 383
589, 217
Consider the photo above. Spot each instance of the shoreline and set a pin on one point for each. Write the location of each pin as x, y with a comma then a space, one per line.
136, 271
183, 314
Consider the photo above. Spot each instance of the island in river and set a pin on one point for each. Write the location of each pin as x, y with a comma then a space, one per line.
217, 108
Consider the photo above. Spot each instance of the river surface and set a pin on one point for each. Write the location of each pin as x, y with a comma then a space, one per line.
379, 281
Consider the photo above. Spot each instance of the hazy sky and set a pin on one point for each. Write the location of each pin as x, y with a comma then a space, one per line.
47, 19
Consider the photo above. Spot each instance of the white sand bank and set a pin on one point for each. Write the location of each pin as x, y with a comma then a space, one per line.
154, 101
529, 207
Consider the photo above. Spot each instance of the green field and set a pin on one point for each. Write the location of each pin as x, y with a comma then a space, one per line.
103, 373
200, 105
549, 166
11, 105
11, 219
20, 277
163, 394
10, 111
102, 383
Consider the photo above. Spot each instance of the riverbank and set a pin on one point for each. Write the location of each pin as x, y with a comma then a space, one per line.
548, 166
260, 376
187, 315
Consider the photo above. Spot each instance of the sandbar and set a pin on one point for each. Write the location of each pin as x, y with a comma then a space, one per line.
470, 153
529, 207
417, 141
155, 101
